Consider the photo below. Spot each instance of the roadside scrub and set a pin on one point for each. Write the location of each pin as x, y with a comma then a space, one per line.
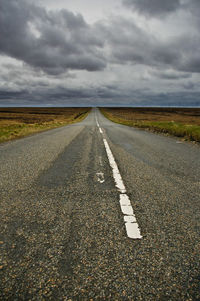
189, 132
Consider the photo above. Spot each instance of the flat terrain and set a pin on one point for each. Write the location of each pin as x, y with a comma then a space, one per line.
181, 122
62, 230
184, 115
19, 122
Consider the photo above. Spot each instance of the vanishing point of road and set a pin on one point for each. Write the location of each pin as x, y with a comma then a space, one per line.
99, 211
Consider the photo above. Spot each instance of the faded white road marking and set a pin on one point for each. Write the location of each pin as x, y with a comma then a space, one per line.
100, 177
132, 228
97, 121
130, 219
100, 161
116, 175
127, 210
124, 200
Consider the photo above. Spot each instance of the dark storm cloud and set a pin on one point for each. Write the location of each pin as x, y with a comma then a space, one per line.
56, 41
7, 94
129, 43
133, 45
126, 41
60, 96
51, 41
188, 49
105, 95
156, 8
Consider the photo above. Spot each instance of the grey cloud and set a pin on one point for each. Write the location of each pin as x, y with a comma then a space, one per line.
191, 64
170, 75
188, 49
193, 6
58, 96
180, 52
131, 44
26, 76
189, 85
55, 42
175, 99
64, 41
154, 8
10, 95
127, 43
109, 95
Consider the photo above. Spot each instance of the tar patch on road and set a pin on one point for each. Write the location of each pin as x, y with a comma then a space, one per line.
62, 169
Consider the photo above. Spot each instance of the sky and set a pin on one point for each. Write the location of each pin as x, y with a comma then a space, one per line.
99, 53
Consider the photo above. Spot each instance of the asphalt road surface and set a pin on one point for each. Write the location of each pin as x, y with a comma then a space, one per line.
66, 233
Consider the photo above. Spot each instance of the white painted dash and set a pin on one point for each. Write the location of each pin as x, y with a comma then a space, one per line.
133, 230
96, 121
127, 210
124, 200
116, 175
130, 219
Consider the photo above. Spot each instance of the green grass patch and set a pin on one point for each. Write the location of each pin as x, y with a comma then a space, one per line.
186, 131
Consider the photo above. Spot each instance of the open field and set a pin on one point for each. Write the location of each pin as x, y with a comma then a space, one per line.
20, 122
180, 122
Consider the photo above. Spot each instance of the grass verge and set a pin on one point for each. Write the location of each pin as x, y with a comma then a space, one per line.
20, 122
189, 132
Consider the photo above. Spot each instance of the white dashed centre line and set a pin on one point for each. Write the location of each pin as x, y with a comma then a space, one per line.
130, 219
127, 210
116, 175
124, 200
133, 231
132, 228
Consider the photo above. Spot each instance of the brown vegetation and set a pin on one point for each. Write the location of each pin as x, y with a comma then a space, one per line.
184, 115
19, 122
181, 122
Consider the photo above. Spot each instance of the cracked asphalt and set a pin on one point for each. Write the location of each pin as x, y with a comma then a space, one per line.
62, 235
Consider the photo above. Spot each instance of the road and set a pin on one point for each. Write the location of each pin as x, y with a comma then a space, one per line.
63, 233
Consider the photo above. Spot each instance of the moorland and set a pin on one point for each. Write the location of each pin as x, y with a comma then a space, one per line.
180, 122
20, 122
